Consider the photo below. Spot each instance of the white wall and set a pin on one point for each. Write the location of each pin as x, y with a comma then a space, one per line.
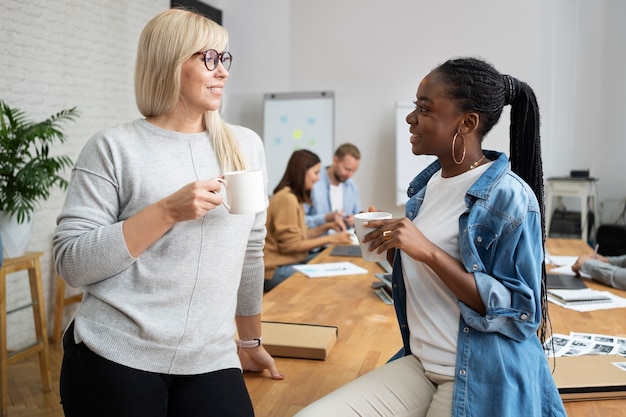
68, 53
375, 53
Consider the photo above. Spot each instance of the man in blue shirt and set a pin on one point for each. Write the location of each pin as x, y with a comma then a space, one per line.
335, 196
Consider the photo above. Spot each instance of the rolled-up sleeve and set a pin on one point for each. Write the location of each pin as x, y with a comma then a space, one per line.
511, 292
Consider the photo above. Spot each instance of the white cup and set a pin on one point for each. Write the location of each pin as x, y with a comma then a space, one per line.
245, 192
361, 231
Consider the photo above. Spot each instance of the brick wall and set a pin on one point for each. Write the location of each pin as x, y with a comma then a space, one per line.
56, 55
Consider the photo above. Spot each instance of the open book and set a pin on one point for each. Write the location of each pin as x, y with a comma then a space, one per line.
582, 296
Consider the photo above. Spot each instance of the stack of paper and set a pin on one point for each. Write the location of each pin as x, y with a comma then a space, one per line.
581, 296
586, 299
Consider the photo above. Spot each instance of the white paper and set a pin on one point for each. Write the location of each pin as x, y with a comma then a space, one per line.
330, 269
562, 260
565, 266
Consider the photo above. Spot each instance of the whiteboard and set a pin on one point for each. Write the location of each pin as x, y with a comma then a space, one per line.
407, 164
293, 121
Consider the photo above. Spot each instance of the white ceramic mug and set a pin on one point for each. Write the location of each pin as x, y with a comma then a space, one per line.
361, 231
245, 192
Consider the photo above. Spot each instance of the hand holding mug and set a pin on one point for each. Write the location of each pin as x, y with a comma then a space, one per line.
399, 234
244, 191
193, 200
362, 230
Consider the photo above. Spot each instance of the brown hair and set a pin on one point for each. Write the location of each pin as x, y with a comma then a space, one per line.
295, 174
347, 149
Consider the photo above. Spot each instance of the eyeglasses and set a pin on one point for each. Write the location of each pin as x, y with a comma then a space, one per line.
211, 58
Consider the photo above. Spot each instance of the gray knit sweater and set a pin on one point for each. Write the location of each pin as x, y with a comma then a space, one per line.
172, 309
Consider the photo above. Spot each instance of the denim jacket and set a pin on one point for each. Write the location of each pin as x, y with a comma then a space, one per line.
501, 369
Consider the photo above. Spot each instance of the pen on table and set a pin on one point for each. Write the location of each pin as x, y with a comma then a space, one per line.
595, 251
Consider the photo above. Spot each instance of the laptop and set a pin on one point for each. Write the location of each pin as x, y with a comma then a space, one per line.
346, 250
564, 282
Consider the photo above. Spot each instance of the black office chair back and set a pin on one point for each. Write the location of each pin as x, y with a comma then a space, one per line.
611, 239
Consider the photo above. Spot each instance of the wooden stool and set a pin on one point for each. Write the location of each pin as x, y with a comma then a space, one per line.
29, 262
59, 305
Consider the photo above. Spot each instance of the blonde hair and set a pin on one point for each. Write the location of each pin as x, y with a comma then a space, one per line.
166, 42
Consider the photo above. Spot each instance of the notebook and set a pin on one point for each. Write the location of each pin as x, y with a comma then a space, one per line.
583, 296
561, 281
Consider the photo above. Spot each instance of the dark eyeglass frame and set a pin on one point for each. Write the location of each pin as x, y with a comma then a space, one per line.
212, 56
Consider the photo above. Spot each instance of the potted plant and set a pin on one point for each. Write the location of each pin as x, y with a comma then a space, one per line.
27, 171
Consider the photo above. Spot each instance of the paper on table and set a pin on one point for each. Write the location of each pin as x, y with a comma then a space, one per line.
616, 302
567, 270
330, 269
562, 260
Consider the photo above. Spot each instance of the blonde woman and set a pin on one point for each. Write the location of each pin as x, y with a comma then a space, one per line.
169, 275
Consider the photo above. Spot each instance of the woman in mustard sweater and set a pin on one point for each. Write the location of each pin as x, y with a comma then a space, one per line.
288, 240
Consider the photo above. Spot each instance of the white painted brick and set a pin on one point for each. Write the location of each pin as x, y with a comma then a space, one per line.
56, 55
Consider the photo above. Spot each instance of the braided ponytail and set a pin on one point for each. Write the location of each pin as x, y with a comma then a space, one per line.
525, 157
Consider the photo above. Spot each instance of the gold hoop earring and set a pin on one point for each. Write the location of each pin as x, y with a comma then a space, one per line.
454, 146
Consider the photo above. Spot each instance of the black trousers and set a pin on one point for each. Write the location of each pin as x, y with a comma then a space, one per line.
92, 386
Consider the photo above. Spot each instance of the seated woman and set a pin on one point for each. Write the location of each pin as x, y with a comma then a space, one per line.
288, 240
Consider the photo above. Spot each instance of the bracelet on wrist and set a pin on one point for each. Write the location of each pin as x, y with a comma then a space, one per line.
249, 344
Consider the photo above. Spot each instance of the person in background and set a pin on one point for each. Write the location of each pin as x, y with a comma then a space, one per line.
169, 276
609, 270
468, 272
289, 240
335, 197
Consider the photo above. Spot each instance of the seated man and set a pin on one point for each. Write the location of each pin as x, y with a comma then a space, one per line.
335, 197
609, 270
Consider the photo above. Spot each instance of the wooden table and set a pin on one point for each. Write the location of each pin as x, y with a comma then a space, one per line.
369, 335
610, 322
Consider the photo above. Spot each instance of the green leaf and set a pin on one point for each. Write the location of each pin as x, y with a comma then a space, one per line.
27, 172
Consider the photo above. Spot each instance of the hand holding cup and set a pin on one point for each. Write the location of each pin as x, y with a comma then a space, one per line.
244, 192
361, 231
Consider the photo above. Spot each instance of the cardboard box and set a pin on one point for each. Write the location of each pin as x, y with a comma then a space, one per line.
589, 377
298, 340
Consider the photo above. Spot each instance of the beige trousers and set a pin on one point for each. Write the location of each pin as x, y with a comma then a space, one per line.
401, 388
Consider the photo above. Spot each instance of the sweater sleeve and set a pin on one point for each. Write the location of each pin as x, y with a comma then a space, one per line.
250, 294
611, 274
88, 243
251, 287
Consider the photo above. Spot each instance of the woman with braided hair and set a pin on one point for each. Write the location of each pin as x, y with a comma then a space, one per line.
468, 270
